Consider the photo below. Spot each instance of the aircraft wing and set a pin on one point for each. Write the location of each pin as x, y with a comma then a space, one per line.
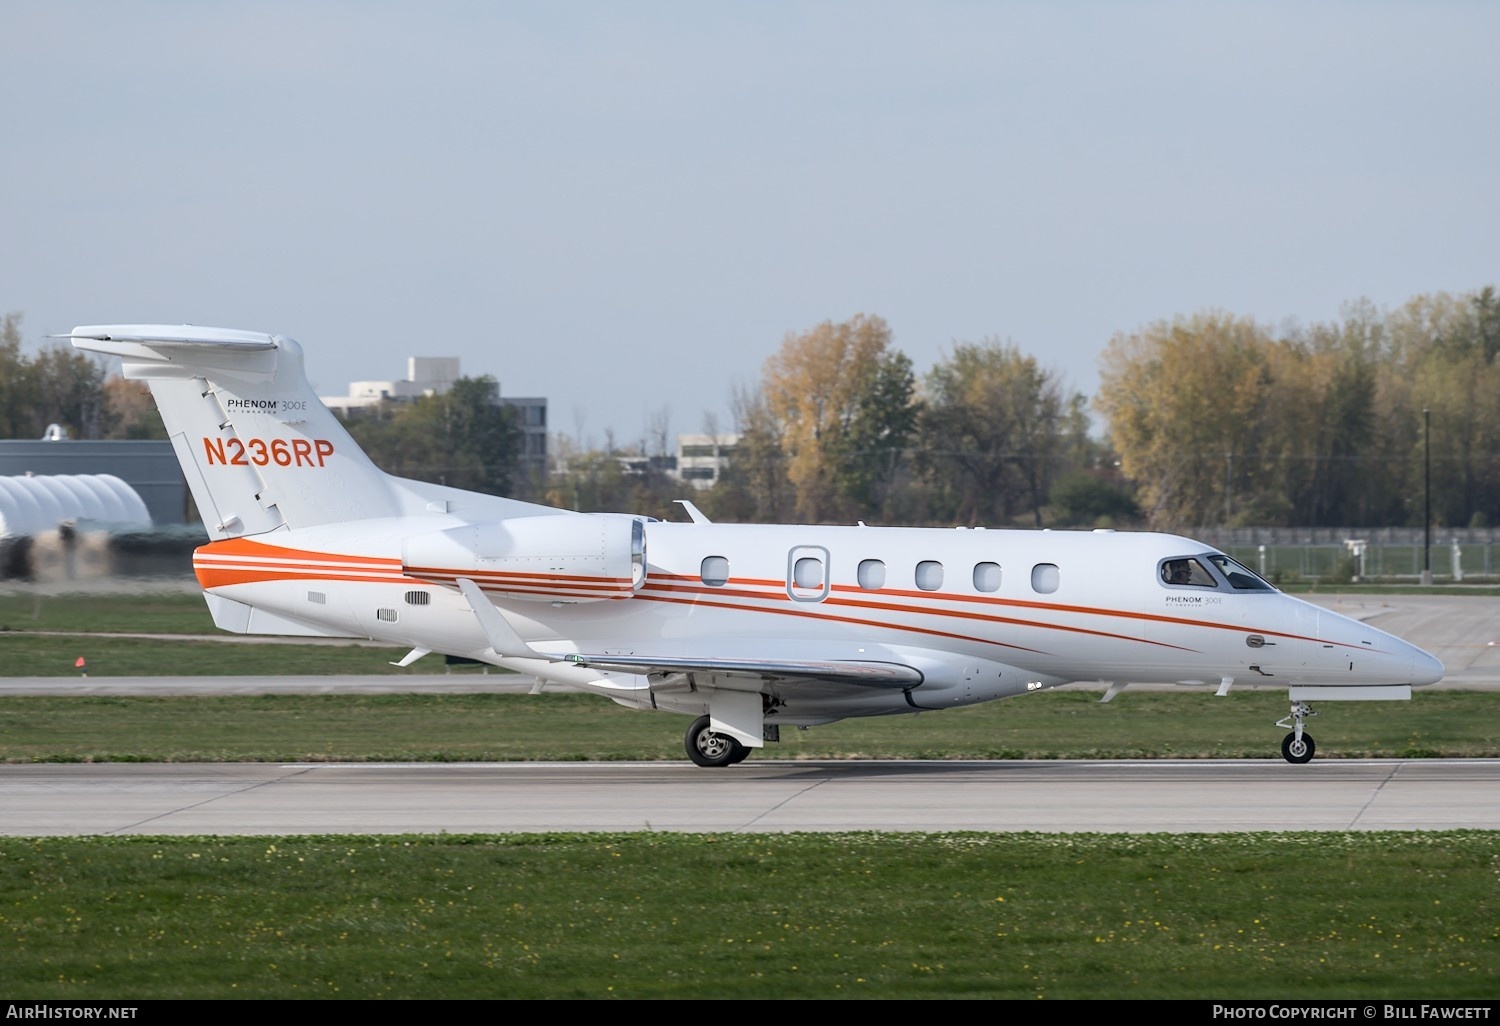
894, 676
853, 672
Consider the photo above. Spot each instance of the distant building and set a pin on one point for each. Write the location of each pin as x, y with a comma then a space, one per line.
531, 418
425, 375
701, 459
36, 504
150, 468
435, 375
639, 466
62, 527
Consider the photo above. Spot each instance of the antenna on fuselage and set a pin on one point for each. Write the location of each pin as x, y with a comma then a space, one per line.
694, 513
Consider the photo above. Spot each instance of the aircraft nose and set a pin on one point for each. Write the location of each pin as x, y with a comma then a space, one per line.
1426, 668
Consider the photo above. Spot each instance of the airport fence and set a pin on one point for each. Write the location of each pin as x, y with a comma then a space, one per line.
1346, 555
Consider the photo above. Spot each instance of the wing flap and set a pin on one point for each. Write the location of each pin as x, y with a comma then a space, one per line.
892, 676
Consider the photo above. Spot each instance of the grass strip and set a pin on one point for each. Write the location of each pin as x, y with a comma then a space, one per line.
144, 612
39, 655
1282, 916
500, 727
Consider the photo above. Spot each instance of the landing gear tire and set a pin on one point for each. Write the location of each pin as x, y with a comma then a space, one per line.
1298, 751
710, 749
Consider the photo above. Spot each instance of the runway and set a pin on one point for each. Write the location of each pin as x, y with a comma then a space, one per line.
768, 795
755, 797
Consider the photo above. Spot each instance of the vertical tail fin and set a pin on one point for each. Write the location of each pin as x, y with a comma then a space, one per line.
260, 451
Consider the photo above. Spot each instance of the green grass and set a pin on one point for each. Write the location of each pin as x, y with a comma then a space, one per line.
38, 655
1282, 916
572, 727
146, 612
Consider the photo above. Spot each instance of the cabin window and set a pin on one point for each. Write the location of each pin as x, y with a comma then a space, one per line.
1186, 572
871, 574
715, 571
418, 598
1045, 578
1239, 576
808, 573
986, 576
929, 575
386, 615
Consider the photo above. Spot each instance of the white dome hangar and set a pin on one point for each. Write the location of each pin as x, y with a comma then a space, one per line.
32, 505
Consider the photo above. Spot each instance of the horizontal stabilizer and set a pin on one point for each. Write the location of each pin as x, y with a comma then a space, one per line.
160, 336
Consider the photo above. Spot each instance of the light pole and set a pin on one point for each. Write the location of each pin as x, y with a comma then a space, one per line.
1426, 495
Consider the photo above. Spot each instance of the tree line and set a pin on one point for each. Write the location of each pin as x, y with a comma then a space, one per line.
63, 386
1207, 419
1365, 421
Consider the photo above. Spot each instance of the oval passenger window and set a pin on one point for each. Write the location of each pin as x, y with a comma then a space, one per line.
1045, 578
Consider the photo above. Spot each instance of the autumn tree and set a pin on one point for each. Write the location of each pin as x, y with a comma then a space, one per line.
463, 438
59, 385
753, 487
995, 427
1449, 345
1190, 405
1337, 468
132, 410
839, 399
15, 385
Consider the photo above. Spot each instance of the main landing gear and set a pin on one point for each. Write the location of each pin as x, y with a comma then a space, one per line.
1297, 747
707, 748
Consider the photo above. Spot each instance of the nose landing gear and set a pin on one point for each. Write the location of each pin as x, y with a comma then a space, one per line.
1297, 747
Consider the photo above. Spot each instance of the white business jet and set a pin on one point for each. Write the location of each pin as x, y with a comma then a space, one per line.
747, 628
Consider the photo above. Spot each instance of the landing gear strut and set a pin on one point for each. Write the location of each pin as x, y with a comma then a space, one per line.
1297, 747
707, 748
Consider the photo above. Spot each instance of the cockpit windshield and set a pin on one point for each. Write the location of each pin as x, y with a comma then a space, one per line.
1210, 570
1240, 577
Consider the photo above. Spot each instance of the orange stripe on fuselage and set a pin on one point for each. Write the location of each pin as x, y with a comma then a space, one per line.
245, 561
530, 583
233, 561
694, 585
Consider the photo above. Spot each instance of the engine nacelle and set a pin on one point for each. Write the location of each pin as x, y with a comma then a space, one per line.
570, 557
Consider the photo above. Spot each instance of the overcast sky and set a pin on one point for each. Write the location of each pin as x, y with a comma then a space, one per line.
625, 207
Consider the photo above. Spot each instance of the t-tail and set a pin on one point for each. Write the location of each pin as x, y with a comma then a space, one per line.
259, 449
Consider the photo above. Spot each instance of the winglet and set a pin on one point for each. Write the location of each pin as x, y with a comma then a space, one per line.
500, 634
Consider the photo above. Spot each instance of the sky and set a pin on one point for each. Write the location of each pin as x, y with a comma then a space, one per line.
627, 207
